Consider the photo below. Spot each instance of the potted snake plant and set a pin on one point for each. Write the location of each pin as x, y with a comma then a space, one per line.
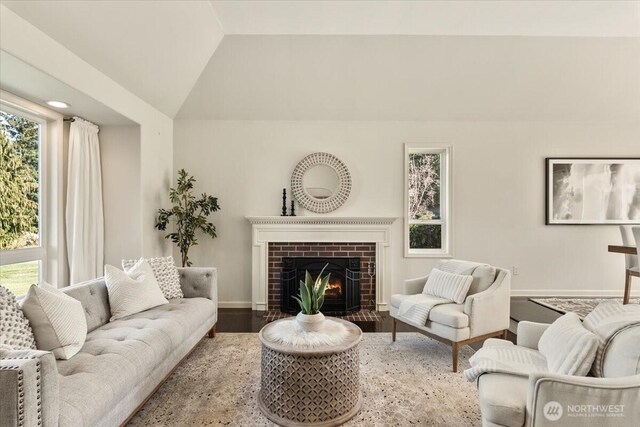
311, 298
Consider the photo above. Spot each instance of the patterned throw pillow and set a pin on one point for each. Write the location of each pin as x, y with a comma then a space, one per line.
166, 274
15, 331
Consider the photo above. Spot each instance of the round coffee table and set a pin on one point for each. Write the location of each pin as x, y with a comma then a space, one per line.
317, 386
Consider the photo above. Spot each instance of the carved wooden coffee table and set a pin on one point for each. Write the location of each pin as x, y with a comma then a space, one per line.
319, 386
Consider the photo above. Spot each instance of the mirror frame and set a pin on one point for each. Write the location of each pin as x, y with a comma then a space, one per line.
309, 202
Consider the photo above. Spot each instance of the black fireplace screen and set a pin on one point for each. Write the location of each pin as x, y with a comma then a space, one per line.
342, 295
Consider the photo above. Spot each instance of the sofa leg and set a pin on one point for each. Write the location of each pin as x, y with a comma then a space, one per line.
393, 330
212, 332
504, 334
454, 352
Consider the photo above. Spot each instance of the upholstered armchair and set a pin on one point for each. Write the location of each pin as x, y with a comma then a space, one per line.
544, 399
483, 314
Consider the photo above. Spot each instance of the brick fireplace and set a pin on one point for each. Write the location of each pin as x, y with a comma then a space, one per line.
276, 237
366, 252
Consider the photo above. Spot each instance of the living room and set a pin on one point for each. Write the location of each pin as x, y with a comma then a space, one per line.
461, 173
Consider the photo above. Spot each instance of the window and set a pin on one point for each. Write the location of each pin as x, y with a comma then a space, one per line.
427, 201
22, 248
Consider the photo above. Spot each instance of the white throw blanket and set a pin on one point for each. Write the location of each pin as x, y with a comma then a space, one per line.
505, 359
607, 320
416, 308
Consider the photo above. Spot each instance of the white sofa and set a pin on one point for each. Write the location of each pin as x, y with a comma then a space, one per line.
545, 399
484, 313
120, 365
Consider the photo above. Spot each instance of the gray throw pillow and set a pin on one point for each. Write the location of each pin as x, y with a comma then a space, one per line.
15, 332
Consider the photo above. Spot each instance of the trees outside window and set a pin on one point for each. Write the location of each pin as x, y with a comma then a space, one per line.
427, 207
20, 202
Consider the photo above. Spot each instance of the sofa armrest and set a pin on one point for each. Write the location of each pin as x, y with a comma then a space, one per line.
414, 286
489, 310
529, 333
29, 393
199, 282
583, 401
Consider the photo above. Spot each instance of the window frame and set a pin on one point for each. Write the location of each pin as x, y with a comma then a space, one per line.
35, 253
446, 205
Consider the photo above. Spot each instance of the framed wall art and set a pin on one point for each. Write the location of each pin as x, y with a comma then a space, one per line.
592, 190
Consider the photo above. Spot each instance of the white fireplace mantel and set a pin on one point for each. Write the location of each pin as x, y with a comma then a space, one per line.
267, 229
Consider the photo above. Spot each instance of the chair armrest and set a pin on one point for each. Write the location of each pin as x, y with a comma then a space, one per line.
29, 391
199, 282
489, 310
414, 286
583, 401
529, 333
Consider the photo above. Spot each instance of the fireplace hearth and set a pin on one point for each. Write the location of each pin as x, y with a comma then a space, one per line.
342, 295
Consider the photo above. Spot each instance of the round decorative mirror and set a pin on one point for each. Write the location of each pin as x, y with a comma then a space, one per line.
321, 183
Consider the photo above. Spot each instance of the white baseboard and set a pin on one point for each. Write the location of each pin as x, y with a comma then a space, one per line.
609, 293
234, 304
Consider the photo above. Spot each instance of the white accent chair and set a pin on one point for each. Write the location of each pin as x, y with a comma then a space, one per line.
484, 313
521, 400
631, 261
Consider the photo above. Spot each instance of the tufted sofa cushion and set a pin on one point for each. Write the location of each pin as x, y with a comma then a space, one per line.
199, 282
124, 352
95, 301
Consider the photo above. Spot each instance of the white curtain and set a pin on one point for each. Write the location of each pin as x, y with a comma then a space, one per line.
84, 214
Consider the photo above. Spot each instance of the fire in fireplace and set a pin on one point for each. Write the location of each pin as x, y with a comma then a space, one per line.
342, 295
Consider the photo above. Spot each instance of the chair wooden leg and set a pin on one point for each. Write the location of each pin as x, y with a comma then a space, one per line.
454, 351
393, 330
627, 287
504, 334
212, 332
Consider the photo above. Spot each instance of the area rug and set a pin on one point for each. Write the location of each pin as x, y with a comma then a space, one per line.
408, 382
580, 306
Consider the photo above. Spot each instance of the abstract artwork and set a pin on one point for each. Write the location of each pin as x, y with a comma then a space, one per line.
593, 191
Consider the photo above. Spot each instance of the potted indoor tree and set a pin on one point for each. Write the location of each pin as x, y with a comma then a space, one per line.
311, 298
190, 215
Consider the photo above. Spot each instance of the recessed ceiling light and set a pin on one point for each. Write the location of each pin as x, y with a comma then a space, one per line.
58, 104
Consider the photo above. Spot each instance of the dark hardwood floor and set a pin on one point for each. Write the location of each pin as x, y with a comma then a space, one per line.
246, 320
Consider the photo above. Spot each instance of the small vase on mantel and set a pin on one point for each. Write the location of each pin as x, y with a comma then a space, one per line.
310, 322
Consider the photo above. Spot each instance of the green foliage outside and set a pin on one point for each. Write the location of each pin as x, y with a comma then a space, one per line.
425, 236
19, 277
189, 213
19, 188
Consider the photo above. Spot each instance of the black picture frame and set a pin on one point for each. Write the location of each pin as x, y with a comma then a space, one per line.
550, 196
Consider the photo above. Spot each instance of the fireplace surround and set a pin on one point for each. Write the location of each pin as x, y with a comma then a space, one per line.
268, 231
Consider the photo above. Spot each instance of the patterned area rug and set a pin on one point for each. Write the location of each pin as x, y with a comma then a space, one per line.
408, 382
580, 306
360, 316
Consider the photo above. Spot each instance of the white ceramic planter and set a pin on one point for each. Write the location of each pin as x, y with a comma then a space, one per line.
310, 322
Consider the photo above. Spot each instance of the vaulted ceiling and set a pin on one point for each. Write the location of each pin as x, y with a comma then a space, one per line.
360, 60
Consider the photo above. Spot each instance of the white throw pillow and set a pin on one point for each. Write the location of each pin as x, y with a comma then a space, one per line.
132, 292
166, 274
448, 285
15, 332
568, 346
58, 321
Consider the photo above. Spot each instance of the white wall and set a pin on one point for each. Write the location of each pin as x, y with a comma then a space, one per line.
498, 170
26, 42
120, 160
